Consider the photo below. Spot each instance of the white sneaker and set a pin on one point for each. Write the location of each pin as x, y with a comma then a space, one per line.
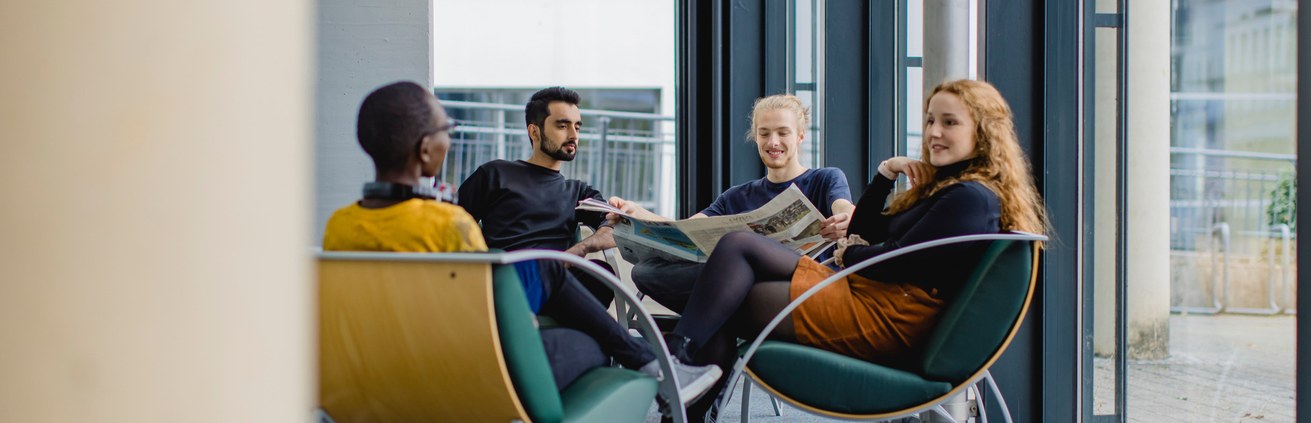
694, 381
652, 369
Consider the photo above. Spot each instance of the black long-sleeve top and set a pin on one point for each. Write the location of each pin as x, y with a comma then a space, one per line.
964, 208
522, 205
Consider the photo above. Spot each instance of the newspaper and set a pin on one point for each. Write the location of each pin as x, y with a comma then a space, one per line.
789, 218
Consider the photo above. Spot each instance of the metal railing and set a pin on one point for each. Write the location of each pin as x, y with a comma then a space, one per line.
1221, 206
624, 154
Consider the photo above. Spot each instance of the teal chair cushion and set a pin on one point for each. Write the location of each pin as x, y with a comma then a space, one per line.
608, 394
525, 357
600, 395
976, 322
838, 383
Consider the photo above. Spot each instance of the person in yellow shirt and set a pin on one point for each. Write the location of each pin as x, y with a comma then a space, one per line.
406, 132
414, 225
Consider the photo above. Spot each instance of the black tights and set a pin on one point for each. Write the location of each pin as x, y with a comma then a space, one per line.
743, 285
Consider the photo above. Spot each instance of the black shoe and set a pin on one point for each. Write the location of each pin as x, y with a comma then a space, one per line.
680, 347
709, 415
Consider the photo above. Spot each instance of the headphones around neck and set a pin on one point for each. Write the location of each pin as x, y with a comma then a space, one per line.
397, 192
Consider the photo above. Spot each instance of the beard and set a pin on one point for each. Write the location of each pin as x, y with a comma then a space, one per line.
558, 152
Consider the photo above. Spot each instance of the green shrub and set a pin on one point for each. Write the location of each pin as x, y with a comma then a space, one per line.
1283, 204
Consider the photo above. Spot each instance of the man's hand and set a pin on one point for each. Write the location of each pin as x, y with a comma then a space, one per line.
835, 226
632, 209
601, 240
578, 249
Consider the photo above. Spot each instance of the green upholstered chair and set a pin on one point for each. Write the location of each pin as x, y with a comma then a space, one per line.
972, 332
415, 337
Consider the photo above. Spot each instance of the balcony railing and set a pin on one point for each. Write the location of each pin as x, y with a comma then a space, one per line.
624, 154
1228, 235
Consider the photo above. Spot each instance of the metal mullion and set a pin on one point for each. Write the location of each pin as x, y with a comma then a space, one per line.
885, 64
1117, 21
1088, 290
790, 74
776, 45
817, 52
1122, 208
1303, 360
1060, 151
899, 124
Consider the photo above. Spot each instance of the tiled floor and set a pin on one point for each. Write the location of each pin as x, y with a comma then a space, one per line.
1225, 368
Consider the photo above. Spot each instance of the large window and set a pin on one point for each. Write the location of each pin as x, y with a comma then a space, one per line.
1232, 161
807, 82
486, 69
1204, 326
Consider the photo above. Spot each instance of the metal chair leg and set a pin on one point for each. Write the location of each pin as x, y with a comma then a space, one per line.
1005, 411
621, 312
978, 400
746, 399
942, 411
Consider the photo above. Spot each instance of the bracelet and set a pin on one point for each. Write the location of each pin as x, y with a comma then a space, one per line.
843, 243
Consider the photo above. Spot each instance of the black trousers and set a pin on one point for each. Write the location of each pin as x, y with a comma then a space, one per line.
594, 285
573, 306
570, 353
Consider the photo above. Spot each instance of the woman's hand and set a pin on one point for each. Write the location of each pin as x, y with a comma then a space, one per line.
915, 170
835, 227
843, 243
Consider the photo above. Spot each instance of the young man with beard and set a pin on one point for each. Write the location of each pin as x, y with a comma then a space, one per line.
527, 203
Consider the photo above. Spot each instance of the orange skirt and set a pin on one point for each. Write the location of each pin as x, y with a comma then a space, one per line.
859, 317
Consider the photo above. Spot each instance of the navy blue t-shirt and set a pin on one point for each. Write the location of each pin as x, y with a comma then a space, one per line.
821, 186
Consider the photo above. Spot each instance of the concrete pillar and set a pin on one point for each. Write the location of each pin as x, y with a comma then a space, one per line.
154, 172
362, 45
1148, 211
1106, 217
947, 26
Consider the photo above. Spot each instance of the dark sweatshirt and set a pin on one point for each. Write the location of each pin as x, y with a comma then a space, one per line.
964, 208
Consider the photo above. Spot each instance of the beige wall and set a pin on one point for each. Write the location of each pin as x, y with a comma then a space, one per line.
154, 163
